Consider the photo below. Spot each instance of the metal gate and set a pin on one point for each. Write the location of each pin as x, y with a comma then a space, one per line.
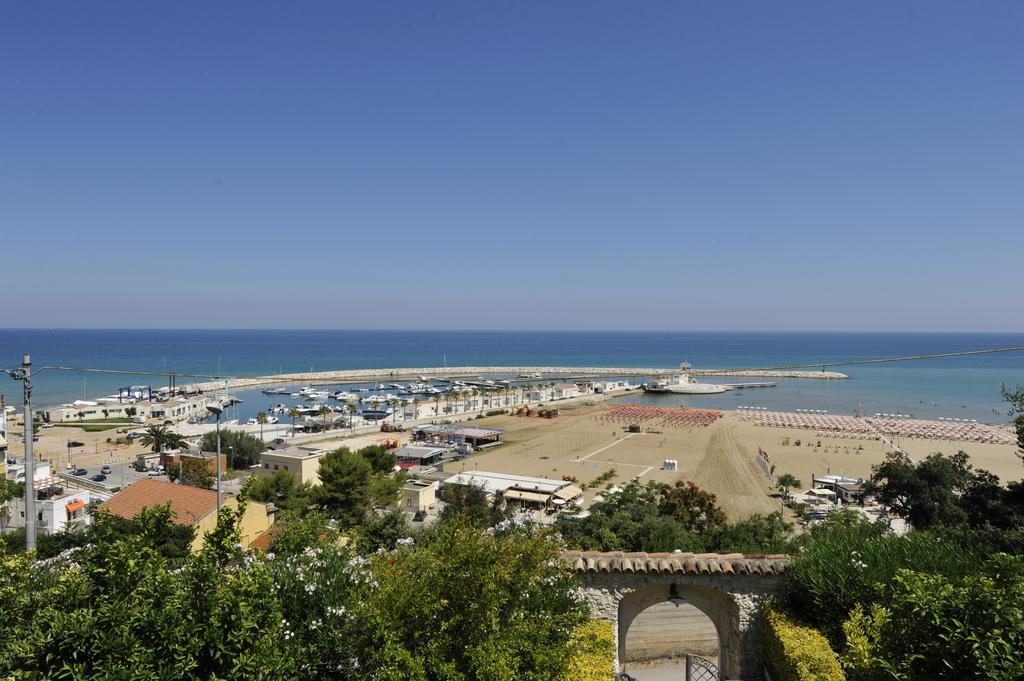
700, 669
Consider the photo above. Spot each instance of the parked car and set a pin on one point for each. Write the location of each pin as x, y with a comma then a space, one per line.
419, 516
99, 477
79, 471
75, 443
159, 470
105, 470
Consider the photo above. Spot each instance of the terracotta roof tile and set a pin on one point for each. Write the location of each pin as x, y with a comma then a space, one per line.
188, 503
262, 540
676, 563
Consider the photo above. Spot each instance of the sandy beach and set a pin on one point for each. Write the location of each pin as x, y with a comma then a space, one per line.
720, 457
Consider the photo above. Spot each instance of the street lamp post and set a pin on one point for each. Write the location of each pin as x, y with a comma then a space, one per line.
217, 410
24, 374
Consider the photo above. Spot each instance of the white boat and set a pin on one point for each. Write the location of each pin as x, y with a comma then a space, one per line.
683, 383
343, 396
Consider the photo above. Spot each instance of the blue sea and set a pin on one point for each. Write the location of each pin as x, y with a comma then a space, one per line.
961, 387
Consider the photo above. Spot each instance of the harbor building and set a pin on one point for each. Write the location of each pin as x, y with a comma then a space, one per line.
174, 409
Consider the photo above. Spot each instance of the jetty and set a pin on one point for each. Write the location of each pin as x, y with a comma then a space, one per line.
546, 373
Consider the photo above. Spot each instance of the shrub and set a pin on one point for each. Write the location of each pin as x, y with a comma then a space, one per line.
797, 652
849, 562
592, 652
940, 629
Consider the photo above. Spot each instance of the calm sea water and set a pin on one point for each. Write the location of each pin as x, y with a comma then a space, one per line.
965, 387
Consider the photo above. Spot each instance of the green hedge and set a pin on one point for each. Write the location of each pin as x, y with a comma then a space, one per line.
797, 652
592, 653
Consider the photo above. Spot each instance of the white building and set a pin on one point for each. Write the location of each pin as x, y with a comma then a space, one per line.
58, 508
176, 409
16, 471
3, 433
522, 488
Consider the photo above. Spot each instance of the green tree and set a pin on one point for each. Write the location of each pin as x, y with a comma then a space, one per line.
380, 457
382, 531
926, 493
470, 504
1016, 399
324, 411
786, 482
245, 448
191, 471
693, 507
160, 438
293, 414
504, 603
344, 490
261, 418
282, 489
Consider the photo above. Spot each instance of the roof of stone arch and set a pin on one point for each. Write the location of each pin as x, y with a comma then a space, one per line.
677, 563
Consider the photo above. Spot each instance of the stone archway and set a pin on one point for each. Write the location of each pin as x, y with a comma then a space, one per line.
716, 605
729, 589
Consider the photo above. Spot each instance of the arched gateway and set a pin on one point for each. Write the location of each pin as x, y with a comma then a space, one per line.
728, 588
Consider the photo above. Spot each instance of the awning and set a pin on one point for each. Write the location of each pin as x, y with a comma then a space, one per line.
536, 497
3, 441
75, 505
569, 492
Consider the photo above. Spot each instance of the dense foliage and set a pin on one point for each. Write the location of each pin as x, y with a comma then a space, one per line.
935, 627
191, 471
459, 603
945, 490
849, 561
241, 449
471, 503
659, 517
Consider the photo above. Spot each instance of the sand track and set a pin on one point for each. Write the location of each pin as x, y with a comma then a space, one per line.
729, 472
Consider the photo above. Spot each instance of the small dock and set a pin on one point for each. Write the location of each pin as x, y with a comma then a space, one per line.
743, 386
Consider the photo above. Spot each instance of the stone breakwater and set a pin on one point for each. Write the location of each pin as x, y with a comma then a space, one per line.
771, 373
364, 375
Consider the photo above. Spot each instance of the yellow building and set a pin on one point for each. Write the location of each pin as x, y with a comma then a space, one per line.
419, 495
191, 506
302, 462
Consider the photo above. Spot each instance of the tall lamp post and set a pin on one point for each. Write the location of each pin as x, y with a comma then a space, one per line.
217, 410
24, 374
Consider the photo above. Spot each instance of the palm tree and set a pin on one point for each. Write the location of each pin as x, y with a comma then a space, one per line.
394, 412
437, 404
261, 418
415, 407
324, 411
293, 414
785, 482
159, 438
351, 408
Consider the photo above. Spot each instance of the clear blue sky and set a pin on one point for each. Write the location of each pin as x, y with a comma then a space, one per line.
678, 165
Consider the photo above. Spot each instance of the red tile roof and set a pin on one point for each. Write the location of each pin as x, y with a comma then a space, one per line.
189, 504
677, 563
